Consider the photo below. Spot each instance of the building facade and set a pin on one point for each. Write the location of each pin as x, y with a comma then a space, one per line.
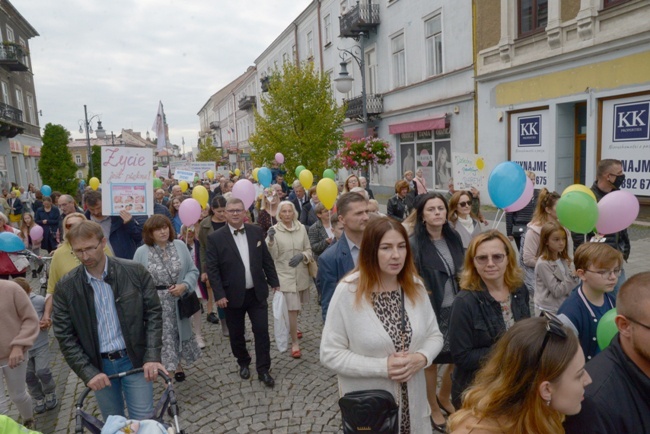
20, 138
564, 84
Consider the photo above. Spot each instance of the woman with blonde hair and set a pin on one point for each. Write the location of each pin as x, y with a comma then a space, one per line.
351, 182
381, 331
491, 300
533, 378
269, 207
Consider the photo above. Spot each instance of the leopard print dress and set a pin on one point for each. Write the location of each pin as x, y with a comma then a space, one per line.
388, 307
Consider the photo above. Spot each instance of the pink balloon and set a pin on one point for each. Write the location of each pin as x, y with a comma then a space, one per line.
36, 233
524, 199
189, 211
244, 190
157, 173
616, 211
279, 158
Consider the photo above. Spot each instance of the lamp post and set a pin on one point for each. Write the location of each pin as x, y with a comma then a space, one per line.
344, 81
100, 135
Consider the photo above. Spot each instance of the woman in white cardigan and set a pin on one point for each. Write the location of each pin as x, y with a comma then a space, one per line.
363, 341
290, 249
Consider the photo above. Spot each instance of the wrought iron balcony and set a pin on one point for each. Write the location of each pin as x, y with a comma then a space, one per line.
81, 165
215, 125
247, 102
10, 114
265, 81
374, 107
13, 57
362, 17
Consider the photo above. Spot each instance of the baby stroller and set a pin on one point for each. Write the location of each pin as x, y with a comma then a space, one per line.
166, 404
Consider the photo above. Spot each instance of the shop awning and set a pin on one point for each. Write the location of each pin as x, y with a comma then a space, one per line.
437, 122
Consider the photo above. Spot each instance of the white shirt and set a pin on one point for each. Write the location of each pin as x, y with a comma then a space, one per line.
354, 251
242, 245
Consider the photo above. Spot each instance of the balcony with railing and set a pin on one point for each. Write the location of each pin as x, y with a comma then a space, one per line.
215, 125
362, 17
264, 83
247, 102
13, 57
374, 107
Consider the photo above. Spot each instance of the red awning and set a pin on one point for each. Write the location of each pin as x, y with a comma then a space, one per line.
358, 133
435, 123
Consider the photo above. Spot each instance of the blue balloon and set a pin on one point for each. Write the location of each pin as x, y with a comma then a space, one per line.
10, 242
506, 184
46, 190
264, 176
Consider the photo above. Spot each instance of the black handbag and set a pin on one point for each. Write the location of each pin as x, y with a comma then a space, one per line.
374, 410
518, 230
189, 304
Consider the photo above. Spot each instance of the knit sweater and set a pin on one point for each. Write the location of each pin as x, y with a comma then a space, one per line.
18, 319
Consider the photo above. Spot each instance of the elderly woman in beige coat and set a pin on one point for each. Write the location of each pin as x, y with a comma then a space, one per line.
289, 245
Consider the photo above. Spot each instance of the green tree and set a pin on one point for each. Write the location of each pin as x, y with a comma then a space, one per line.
207, 152
56, 166
301, 120
96, 161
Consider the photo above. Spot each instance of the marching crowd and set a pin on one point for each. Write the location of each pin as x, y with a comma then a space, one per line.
424, 303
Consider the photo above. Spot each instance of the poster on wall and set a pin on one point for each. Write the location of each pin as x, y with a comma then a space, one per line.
408, 159
127, 181
530, 147
425, 163
626, 137
442, 150
468, 171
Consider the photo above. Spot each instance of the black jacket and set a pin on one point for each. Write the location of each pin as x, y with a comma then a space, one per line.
308, 215
475, 325
618, 400
399, 208
138, 309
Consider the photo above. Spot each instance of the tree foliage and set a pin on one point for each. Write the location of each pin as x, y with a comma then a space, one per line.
207, 151
301, 120
56, 167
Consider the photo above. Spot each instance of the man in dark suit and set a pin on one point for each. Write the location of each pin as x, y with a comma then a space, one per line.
340, 258
240, 270
298, 197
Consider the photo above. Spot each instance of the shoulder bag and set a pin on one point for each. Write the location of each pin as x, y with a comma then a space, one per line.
372, 410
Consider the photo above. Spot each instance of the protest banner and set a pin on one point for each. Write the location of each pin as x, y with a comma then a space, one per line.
184, 175
468, 171
127, 180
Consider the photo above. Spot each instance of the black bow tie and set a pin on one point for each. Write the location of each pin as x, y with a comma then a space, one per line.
239, 231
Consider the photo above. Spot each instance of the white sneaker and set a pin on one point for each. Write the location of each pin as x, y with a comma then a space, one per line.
200, 341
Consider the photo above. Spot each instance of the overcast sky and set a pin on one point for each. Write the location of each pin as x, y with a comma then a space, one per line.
120, 57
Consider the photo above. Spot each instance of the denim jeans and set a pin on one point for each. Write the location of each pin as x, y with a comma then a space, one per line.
134, 389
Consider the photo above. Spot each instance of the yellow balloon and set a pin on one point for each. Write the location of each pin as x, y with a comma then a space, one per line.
327, 192
200, 193
209, 174
480, 164
306, 179
257, 169
581, 188
184, 186
237, 172
94, 183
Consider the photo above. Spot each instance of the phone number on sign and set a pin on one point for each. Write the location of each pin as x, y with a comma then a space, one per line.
643, 184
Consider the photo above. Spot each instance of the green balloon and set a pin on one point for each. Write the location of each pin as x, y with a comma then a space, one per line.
298, 170
157, 183
606, 329
577, 212
329, 173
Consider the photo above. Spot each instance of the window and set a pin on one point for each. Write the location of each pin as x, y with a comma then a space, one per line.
77, 158
310, 44
285, 57
294, 56
5, 93
327, 24
533, 16
433, 45
10, 34
80, 174
344, 6
30, 110
371, 71
19, 99
608, 3
399, 61
23, 44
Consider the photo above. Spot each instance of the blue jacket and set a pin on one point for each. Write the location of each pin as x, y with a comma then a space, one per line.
335, 262
575, 309
124, 238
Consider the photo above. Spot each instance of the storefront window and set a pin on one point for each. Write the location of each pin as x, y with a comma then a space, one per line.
429, 151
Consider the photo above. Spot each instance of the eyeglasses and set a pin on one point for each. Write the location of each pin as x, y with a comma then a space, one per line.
80, 252
606, 273
234, 211
484, 259
553, 326
464, 204
637, 322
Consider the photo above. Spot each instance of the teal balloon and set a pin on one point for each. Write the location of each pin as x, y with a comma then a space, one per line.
264, 176
506, 184
606, 329
298, 170
329, 173
10, 242
577, 211
46, 190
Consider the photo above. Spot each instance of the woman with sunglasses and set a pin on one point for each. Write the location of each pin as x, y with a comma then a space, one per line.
492, 299
533, 378
461, 217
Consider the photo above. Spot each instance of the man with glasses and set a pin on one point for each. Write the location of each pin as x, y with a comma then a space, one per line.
67, 205
618, 400
598, 266
107, 319
240, 270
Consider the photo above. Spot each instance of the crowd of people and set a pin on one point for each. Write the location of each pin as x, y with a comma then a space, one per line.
425, 303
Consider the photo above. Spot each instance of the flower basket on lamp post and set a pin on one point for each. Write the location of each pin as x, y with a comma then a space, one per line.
362, 154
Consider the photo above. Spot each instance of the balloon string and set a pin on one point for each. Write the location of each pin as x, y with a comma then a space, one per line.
497, 218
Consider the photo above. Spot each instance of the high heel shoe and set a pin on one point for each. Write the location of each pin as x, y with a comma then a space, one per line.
440, 428
447, 412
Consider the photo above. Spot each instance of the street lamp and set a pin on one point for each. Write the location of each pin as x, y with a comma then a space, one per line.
89, 129
344, 81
